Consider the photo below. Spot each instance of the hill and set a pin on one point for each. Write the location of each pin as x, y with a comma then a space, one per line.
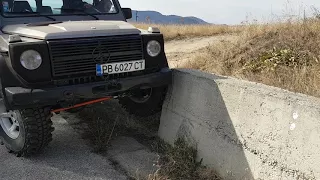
158, 18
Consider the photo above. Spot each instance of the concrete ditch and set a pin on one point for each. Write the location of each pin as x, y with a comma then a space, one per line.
244, 130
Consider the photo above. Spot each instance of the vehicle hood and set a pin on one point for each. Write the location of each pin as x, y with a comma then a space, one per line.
71, 29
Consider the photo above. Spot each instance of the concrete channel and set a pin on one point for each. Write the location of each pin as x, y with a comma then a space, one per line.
244, 130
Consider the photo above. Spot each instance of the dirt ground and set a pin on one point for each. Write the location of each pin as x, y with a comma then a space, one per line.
182, 51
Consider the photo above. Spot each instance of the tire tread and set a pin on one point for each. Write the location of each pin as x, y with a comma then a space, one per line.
38, 130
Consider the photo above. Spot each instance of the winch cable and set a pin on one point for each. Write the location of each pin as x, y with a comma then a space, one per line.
82, 104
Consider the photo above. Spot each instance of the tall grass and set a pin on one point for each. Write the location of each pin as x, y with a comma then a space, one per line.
284, 55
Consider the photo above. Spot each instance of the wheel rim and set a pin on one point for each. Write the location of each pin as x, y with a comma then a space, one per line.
10, 125
141, 95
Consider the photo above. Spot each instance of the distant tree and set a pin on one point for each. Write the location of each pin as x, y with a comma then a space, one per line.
182, 20
148, 19
137, 16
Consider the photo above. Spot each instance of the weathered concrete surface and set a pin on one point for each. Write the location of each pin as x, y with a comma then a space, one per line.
242, 129
136, 159
67, 157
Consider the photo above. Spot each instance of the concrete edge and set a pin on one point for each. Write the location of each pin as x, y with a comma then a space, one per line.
279, 93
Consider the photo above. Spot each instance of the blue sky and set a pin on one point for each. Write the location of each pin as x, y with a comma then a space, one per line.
227, 11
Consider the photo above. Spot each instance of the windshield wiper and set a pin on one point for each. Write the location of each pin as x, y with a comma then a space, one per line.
37, 13
78, 10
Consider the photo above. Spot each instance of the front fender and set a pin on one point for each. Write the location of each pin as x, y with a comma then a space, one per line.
7, 78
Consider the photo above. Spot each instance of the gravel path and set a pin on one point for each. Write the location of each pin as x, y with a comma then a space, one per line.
67, 157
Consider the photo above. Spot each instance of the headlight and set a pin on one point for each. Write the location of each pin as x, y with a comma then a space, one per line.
30, 59
153, 48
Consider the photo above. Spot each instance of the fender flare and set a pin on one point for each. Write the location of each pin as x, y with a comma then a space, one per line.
10, 79
5, 72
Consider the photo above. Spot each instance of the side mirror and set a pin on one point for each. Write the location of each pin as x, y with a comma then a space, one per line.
127, 13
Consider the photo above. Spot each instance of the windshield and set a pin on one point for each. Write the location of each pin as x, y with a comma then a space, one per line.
56, 7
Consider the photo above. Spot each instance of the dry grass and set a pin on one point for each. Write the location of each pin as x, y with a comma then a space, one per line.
178, 162
284, 55
106, 121
171, 32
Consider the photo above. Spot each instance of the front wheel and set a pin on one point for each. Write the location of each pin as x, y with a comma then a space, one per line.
26, 132
144, 102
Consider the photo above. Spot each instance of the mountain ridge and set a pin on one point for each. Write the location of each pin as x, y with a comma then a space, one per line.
150, 16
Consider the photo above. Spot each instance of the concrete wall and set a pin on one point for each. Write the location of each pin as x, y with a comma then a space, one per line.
242, 129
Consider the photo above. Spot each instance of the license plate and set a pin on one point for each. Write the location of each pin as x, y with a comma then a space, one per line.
120, 67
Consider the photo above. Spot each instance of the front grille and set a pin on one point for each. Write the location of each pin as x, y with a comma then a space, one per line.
77, 57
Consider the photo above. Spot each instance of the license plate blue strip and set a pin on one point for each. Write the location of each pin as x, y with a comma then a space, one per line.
99, 70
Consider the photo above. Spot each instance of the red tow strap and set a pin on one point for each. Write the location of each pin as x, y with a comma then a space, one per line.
82, 104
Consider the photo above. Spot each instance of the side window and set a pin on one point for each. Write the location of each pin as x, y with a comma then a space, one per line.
32, 4
112, 8
6, 6
52, 5
19, 6
88, 1
105, 6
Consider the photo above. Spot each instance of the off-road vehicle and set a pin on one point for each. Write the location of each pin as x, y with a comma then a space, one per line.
58, 53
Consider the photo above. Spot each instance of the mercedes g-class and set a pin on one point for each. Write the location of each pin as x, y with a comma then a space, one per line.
58, 53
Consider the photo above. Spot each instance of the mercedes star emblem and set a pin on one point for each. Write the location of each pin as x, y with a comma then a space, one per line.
100, 54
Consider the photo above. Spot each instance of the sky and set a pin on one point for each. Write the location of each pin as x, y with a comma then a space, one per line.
228, 11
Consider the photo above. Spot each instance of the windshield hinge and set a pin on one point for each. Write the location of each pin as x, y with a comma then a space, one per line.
14, 38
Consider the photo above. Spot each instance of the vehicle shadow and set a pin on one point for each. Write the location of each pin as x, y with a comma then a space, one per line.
195, 110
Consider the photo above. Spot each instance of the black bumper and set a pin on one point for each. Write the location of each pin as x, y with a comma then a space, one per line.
18, 97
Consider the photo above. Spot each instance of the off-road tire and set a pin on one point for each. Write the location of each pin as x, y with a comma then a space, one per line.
35, 132
151, 107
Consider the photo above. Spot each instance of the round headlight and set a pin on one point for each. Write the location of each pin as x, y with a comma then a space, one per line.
30, 59
153, 48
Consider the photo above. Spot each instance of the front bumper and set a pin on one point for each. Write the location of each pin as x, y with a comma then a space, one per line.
20, 98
